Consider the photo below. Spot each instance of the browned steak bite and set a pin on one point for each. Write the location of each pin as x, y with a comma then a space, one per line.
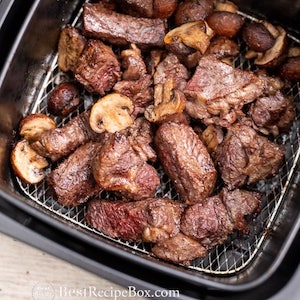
59, 142
179, 249
70, 46
211, 221
149, 220
136, 83
186, 160
72, 182
207, 222
273, 114
118, 167
217, 92
245, 157
240, 203
121, 29
98, 68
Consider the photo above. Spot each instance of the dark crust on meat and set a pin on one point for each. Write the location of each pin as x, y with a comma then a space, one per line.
151, 220
72, 182
59, 142
122, 29
186, 160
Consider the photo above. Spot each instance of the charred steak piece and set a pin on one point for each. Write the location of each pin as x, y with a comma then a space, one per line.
186, 161
59, 142
140, 136
273, 114
207, 222
170, 67
179, 249
120, 29
136, 83
98, 68
149, 220
72, 182
70, 46
117, 167
217, 92
245, 157
240, 203
211, 221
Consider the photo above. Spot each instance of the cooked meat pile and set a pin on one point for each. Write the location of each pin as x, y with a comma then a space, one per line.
171, 113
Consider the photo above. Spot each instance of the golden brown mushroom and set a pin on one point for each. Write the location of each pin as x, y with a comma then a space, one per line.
34, 125
111, 113
167, 101
27, 164
195, 35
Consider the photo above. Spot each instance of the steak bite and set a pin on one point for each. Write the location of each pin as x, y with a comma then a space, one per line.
72, 182
120, 29
207, 222
59, 142
117, 167
149, 220
217, 92
186, 161
245, 157
179, 249
211, 221
98, 68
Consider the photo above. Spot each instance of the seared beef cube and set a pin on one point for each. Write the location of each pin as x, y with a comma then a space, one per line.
186, 160
245, 157
139, 91
70, 46
98, 68
133, 63
273, 113
119, 168
140, 136
120, 29
207, 222
217, 92
136, 83
240, 203
179, 249
170, 67
149, 220
211, 221
59, 142
72, 182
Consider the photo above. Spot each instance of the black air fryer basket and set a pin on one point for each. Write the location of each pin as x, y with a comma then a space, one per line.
242, 264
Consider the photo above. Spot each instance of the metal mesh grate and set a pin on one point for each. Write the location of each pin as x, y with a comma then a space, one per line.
239, 250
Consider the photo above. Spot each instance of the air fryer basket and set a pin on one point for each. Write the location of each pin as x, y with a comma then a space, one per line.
241, 262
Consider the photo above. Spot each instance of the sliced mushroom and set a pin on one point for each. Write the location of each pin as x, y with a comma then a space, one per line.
212, 137
111, 113
193, 34
27, 164
34, 125
167, 101
275, 55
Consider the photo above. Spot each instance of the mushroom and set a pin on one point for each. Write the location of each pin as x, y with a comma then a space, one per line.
226, 6
212, 137
27, 164
195, 35
167, 101
111, 113
275, 55
32, 126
